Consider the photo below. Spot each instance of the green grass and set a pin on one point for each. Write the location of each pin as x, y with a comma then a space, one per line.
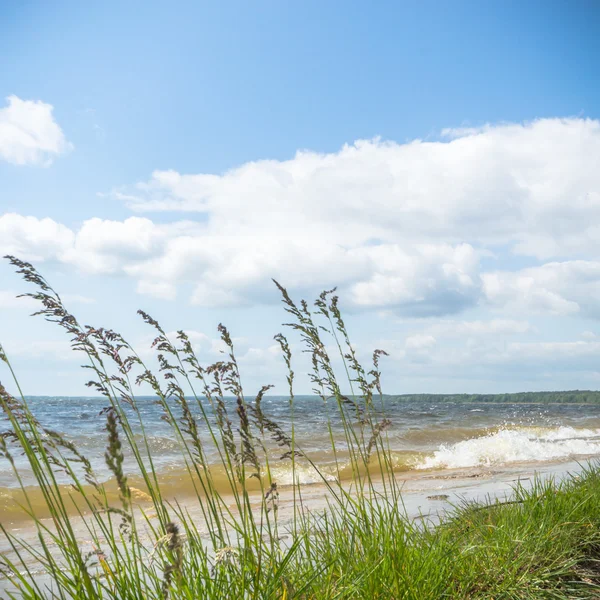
543, 544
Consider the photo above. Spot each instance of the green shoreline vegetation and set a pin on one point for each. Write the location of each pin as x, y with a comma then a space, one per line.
543, 543
553, 397
549, 397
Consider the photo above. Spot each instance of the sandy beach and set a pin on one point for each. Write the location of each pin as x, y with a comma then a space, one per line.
426, 496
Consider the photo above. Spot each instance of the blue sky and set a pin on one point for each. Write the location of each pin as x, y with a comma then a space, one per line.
176, 156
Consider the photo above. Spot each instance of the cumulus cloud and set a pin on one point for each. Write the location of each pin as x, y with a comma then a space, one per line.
36, 239
29, 135
400, 227
227, 271
535, 186
453, 343
430, 280
557, 288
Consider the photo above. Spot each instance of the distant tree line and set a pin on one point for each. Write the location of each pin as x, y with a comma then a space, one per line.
568, 397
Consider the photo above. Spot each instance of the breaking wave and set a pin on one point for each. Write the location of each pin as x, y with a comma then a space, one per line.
515, 445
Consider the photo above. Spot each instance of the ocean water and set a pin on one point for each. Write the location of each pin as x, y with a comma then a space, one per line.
423, 437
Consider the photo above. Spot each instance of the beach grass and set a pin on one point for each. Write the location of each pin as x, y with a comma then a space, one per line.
145, 543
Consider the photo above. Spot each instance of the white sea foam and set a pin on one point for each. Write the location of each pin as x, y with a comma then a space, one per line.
304, 474
570, 433
516, 445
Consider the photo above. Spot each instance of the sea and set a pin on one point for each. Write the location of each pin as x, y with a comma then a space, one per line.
424, 437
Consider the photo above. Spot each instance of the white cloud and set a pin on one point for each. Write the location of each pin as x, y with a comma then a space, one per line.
157, 289
34, 239
419, 342
558, 288
452, 343
453, 330
105, 246
553, 351
492, 359
480, 328
211, 348
29, 135
402, 227
227, 271
429, 280
10, 299
536, 186
57, 349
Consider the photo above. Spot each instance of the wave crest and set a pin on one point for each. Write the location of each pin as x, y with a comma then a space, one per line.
514, 446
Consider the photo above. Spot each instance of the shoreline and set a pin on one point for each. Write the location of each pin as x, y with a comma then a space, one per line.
412, 480
428, 498
425, 494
